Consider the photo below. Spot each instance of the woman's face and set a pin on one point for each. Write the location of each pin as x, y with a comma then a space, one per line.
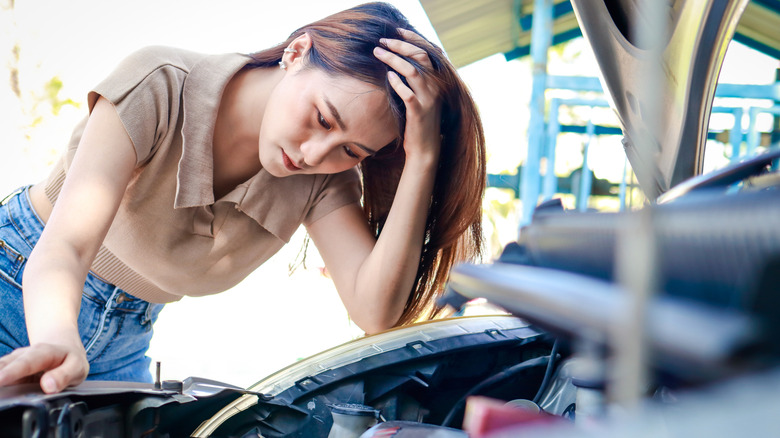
315, 123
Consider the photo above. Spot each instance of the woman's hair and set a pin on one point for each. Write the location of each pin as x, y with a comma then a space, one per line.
343, 44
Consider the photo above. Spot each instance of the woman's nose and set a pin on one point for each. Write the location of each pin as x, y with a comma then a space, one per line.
314, 152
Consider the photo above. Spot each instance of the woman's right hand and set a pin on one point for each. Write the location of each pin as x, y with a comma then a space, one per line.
55, 365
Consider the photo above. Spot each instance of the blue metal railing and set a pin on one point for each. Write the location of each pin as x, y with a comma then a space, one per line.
553, 129
543, 139
753, 134
550, 180
735, 135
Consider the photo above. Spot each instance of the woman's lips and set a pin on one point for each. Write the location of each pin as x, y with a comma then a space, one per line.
288, 163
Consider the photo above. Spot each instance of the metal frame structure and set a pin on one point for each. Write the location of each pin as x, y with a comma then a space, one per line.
527, 183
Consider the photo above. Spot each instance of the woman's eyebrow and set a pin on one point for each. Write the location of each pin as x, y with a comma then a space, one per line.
335, 113
336, 116
369, 151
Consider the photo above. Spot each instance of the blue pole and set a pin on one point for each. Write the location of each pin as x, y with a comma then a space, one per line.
753, 136
622, 194
585, 175
735, 137
541, 40
553, 128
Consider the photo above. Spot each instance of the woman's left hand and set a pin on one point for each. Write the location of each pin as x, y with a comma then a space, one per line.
422, 136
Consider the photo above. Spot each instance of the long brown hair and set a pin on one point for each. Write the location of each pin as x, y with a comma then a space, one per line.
343, 44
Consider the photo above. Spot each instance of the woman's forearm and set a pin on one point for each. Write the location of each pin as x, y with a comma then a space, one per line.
387, 276
375, 277
53, 281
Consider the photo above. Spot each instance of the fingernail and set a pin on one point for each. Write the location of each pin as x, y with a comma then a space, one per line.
48, 384
383, 41
379, 51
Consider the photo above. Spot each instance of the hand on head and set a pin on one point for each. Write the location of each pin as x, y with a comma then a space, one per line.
420, 94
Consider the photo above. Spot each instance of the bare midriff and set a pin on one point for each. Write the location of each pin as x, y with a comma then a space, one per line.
40, 202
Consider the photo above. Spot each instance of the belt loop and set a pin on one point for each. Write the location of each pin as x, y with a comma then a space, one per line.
147, 314
113, 299
12, 194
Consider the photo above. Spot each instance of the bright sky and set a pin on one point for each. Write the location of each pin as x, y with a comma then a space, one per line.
94, 35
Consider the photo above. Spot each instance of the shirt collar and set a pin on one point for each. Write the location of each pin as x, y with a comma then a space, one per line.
201, 98
277, 204
263, 197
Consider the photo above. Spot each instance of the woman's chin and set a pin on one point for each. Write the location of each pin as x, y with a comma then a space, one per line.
278, 173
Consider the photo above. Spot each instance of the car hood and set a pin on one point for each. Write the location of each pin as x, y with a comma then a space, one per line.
661, 88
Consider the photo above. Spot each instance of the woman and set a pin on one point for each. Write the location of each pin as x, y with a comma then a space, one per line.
192, 170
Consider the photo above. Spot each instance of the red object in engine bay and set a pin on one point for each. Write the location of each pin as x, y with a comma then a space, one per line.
485, 415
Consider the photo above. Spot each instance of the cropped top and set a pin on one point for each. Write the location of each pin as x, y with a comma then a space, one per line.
170, 237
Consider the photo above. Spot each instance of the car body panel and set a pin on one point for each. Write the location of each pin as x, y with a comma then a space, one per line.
662, 90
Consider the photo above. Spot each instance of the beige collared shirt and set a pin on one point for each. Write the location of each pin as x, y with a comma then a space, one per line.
170, 237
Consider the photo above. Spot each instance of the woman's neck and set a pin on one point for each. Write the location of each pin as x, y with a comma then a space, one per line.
237, 127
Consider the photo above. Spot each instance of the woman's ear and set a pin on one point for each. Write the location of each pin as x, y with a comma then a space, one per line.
296, 52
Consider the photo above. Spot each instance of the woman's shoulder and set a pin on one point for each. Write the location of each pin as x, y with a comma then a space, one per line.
152, 57
159, 69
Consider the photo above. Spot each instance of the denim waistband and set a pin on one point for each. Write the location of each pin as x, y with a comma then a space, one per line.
24, 218
29, 227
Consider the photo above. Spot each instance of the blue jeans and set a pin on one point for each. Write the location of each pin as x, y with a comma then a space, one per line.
115, 326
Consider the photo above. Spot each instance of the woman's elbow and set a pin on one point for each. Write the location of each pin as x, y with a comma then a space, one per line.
373, 324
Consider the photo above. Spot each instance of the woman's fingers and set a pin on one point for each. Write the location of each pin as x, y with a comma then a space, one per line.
58, 366
413, 37
405, 93
72, 372
396, 53
425, 90
407, 49
29, 361
402, 66
17, 365
408, 57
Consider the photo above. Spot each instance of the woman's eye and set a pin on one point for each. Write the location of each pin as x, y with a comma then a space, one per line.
322, 121
349, 152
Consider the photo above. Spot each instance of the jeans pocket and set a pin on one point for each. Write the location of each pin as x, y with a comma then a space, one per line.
13, 331
11, 263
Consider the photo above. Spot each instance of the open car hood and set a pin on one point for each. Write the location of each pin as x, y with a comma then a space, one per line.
664, 138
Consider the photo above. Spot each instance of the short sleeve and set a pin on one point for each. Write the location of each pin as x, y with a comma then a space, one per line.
338, 190
145, 89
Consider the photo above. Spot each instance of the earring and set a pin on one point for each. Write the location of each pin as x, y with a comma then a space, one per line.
282, 65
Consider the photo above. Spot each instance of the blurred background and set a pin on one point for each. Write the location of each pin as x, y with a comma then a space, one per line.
53, 52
